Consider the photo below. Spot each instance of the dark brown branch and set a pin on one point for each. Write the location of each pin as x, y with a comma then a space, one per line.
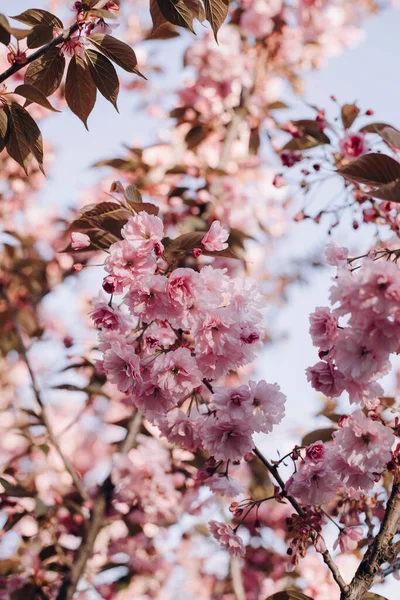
98, 519
328, 560
379, 552
63, 37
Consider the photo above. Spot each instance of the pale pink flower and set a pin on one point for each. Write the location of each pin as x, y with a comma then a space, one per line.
179, 429
125, 263
335, 255
357, 359
348, 539
227, 538
215, 238
183, 288
105, 316
325, 378
223, 485
323, 328
268, 405
232, 403
144, 232
364, 443
316, 451
122, 366
176, 374
227, 440
147, 298
353, 144
79, 241
313, 483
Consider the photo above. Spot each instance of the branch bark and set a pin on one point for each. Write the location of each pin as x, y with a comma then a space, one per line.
327, 558
380, 551
98, 519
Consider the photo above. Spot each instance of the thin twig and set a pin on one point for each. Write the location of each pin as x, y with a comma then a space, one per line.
98, 518
63, 37
43, 411
237, 579
328, 560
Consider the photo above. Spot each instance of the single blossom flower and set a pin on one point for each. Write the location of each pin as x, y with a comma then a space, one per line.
215, 238
227, 538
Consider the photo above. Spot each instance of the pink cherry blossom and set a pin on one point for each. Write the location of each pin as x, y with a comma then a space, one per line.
79, 240
176, 374
223, 485
227, 538
335, 255
122, 366
323, 328
348, 539
325, 378
144, 232
227, 440
364, 443
105, 316
125, 263
232, 403
268, 405
179, 429
147, 298
314, 482
215, 238
353, 145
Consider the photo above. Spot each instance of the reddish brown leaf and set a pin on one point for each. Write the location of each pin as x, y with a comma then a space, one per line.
115, 50
39, 36
33, 94
46, 72
3, 128
24, 139
195, 136
372, 169
349, 114
6, 31
104, 76
373, 127
216, 12
36, 16
391, 136
289, 594
324, 434
177, 13
80, 89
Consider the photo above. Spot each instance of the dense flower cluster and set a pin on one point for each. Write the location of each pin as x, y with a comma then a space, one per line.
174, 332
356, 354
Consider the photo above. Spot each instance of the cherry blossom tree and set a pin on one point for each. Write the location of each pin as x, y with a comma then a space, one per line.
115, 494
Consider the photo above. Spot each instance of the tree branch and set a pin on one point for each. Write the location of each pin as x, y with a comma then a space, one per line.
43, 412
97, 518
380, 551
328, 560
63, 37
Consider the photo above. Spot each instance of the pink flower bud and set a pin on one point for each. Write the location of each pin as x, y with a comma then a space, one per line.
79, 241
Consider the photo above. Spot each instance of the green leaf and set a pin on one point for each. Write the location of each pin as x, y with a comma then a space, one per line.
324, 434
24, 138
33, 94
372, 169
177, 13
104, 76
349, 113
80, 89
216, 12
115, 50
37, 16
46, 72
39, 36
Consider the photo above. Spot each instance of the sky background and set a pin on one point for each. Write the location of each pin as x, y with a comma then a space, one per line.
366, 74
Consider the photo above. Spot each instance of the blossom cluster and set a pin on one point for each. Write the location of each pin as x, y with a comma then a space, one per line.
175, 331
354, 355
